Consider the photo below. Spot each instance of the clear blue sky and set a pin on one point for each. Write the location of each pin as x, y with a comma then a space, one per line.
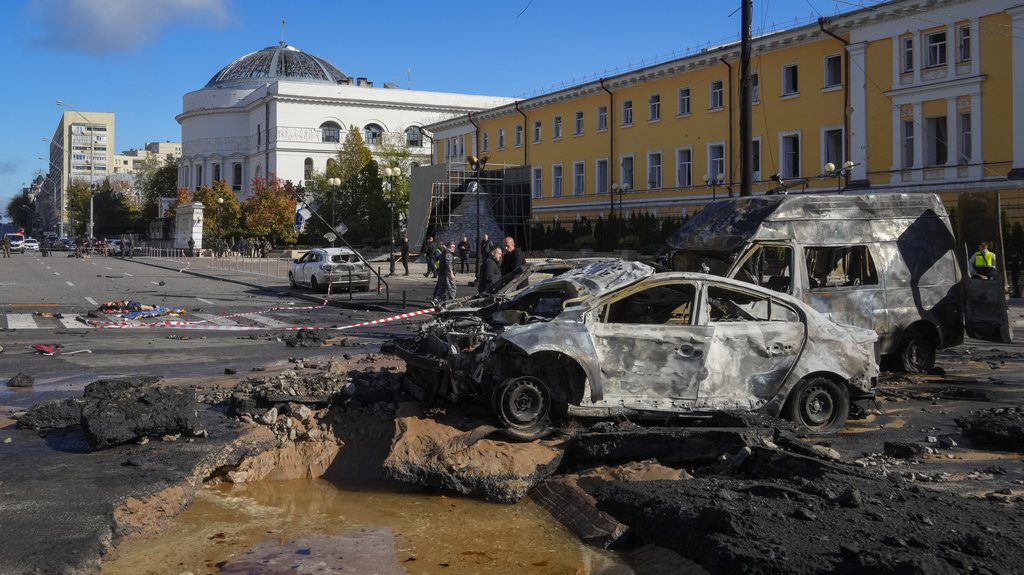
137, 58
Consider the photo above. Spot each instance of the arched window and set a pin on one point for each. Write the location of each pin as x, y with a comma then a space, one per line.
331, 162
413, 137
372, 134
307, 172
330, 132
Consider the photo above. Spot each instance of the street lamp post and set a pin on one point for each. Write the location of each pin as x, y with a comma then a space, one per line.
713, 183
478, 165
838, 173
621, 190
59, 183
391, 174
334, 183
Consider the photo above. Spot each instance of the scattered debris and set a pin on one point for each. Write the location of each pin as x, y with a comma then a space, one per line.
21, 380
999, 428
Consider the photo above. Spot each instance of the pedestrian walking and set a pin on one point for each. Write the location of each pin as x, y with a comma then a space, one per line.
982, 263
513, 260
484, 248
490, 270
7, 246
128, 248
405, 254
428, 253
464, 255
1014, 264
444, 291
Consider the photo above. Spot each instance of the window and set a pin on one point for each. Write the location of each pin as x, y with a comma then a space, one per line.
908, 144
307, 169
556, 181
790, 83
538, 182
839, 266
216, 172
716, 160
726, 305
769, 267
964, 151
236, 177
627, 113
833, 141
626, 175
908, 54
579, 178
716, 95
936, 49
372, 134
654, 171
602, 176
833, 71
963, 44
654, 107
557, 128
684, 102
519, 135
791, 156
755, 153
486, 142
684, 168
670, 304
936, 148
413, 137
501, 138
199, 176
330, 132
602, 118
579, 123
755, 88
536, 131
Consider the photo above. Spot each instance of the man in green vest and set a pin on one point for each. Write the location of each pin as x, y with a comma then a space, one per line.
983, 263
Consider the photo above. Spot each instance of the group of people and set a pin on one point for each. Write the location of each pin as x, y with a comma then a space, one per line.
495, 262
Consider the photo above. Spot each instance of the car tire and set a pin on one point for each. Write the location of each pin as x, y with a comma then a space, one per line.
916, 354
313, 284
291, 280
523, 406
818, 406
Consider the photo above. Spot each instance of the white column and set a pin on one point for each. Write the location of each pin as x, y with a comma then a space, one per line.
952, 136
897, 144
859, 113
977, 153
1017, 97
919, 143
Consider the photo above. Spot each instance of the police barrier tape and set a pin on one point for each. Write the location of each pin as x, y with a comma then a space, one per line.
196, 325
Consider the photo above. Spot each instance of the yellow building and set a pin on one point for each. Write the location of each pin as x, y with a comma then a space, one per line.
917, 96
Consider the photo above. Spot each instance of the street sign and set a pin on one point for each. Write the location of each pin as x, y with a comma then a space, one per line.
341, 229
329, 236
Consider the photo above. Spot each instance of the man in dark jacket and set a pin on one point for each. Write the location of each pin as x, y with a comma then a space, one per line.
428, 253
513, 259
444, 291
405, 254
464, 255
490, 270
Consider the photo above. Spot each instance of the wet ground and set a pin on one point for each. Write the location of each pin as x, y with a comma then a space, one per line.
316, 526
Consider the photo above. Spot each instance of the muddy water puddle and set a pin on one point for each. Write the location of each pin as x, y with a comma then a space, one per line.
315, 526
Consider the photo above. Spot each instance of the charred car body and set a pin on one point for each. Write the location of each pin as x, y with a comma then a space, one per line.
886, 262
615, 338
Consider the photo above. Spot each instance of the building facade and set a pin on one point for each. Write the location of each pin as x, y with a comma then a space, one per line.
81, 148
284, 112
901, 96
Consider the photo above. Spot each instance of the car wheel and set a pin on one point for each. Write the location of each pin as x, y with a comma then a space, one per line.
313, 284
917, 354
522, 405
291, 280
818, 405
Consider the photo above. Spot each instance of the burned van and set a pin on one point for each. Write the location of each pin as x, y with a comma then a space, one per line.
886, 262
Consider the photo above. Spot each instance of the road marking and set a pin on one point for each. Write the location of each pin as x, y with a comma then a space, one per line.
128, 274
206, 301
72, 323
56, 273
21, 321
92, 301
69, 283
215, 320
49, 268
268, 321
155, 283
106, 268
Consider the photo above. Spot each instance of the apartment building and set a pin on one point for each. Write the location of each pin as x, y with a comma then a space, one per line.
81, 148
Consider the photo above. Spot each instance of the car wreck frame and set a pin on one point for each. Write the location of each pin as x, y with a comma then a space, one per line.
612, 339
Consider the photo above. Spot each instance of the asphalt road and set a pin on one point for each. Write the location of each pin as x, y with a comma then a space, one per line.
239, 313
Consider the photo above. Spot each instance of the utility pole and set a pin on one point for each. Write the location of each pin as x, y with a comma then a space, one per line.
746, 106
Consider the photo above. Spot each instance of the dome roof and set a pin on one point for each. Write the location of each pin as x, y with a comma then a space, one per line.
281, 62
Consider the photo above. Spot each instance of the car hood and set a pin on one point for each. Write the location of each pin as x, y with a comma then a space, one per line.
596, 279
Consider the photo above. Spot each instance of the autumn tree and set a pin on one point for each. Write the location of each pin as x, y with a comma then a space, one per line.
270, 211
393, 155
181, 197
219, 218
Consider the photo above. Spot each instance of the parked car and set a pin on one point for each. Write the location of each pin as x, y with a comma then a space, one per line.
114, 247
339, 267
615, 338
16, 239
30, 245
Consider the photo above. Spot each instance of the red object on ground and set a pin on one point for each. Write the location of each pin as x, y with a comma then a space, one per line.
44, 349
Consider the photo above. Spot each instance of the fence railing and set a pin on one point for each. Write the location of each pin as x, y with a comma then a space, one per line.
271, 267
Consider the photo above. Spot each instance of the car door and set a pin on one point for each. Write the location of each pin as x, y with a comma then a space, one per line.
757, 339
650, 353
302, 270
985, 307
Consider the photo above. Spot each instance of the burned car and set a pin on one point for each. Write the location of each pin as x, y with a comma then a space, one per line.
615, 338
509, 284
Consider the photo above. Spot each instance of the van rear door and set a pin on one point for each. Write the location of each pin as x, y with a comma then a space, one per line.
985, 310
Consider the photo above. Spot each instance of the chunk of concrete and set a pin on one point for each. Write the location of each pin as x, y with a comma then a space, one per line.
129, 413
55, 414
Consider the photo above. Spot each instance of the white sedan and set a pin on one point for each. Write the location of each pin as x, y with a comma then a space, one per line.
30, 245
339, 267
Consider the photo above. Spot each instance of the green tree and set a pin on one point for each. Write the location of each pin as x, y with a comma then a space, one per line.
270, 211
392, 155
19, 216
78, 196
219, 218
156, 179
360, 203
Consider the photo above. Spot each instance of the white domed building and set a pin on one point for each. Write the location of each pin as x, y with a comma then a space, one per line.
285, 112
